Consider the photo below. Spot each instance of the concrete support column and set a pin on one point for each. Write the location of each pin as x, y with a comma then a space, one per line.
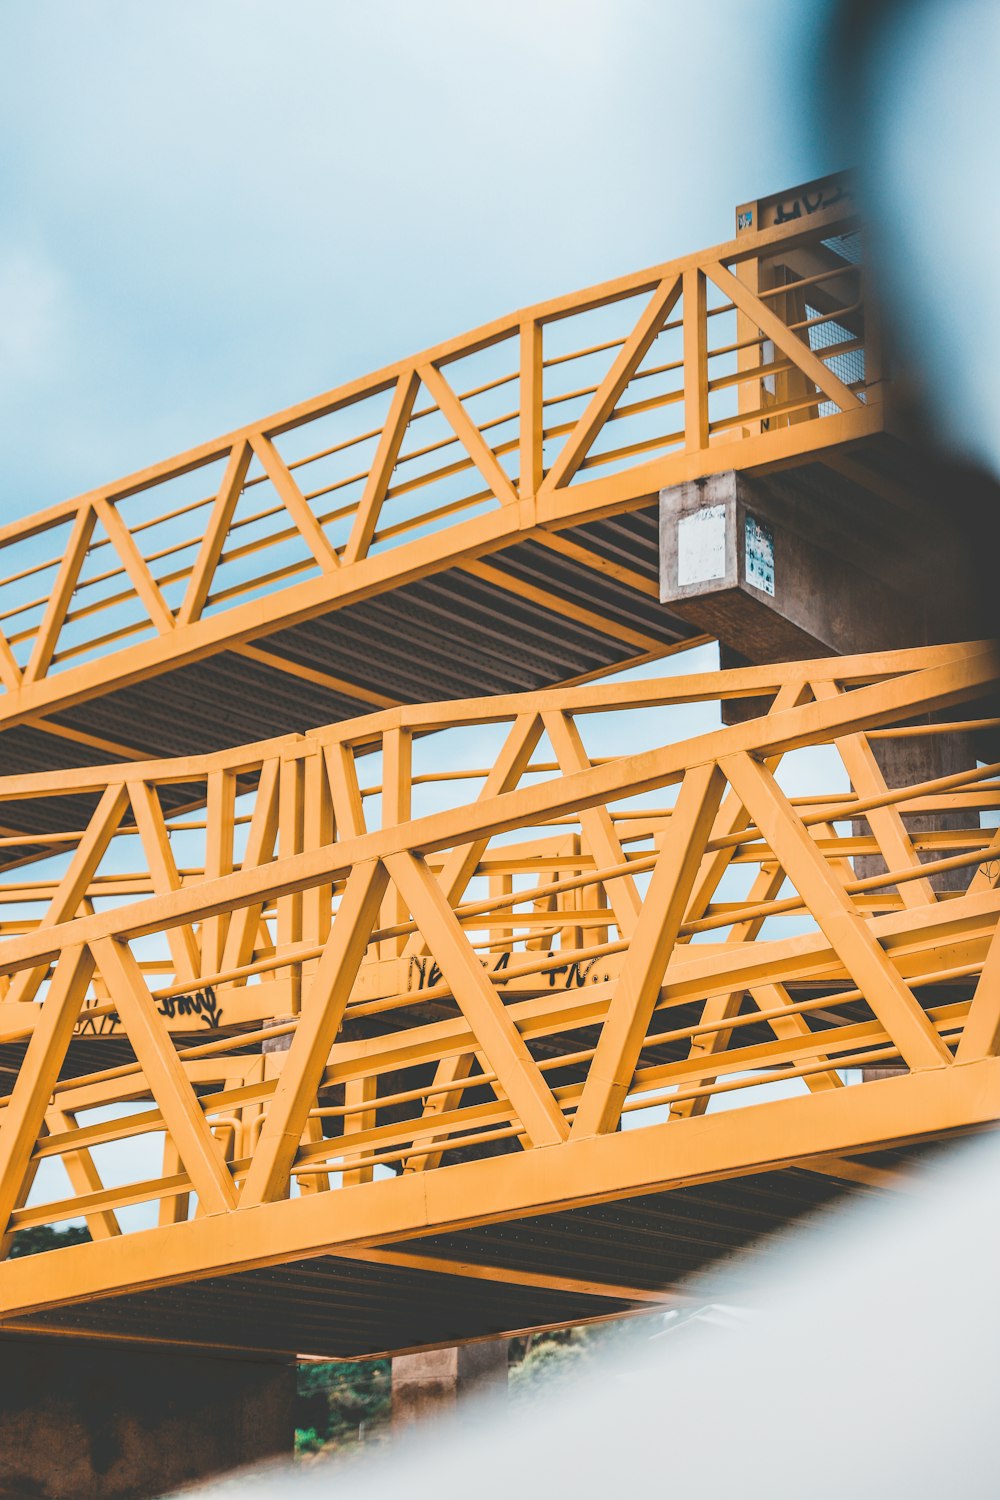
87, 1420
438, 1382
792, 565
905, 762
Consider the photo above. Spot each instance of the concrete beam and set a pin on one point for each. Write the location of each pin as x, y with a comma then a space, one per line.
777, 580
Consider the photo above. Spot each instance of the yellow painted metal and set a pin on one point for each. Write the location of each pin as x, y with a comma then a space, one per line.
473, 983
392, 946
273, 524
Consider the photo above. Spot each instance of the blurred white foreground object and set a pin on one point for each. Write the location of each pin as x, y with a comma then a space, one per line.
862, 1361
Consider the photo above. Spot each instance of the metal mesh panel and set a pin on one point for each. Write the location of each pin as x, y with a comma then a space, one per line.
847, 246
848, 367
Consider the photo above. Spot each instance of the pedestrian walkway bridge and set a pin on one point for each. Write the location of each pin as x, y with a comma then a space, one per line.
479, 518
431, 1024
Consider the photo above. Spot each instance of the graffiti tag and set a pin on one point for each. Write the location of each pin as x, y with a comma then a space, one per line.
203, 1004
425, 973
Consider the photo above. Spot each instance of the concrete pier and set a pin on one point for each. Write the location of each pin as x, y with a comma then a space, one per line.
437, 1382
88, 1420
793, 564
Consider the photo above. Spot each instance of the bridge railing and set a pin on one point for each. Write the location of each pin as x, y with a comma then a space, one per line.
569, 409
353, 987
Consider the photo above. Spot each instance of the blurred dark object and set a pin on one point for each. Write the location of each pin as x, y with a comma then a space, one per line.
902, 92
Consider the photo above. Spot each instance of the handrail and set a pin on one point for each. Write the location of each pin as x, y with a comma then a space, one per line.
134, 585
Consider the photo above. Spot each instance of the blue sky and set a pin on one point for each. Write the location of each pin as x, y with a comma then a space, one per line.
212, 210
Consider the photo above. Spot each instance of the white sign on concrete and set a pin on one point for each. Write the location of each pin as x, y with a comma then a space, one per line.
701, 546
759, 555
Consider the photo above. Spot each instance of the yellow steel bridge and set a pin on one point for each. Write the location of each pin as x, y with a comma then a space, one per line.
316, 564
424, 1024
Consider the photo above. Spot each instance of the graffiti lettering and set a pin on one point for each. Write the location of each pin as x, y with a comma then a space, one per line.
577, 974
425, 973
95, 1025
809, 203
203, 1003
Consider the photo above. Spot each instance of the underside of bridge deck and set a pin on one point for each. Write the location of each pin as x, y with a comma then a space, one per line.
344, 1308
631, 1256
555, 608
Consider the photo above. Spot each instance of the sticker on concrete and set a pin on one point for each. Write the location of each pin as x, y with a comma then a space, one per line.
701, 546
759, 563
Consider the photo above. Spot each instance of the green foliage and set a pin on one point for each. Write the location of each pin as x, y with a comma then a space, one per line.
543, 1361
38, 1237
307, 1440
334, 1399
